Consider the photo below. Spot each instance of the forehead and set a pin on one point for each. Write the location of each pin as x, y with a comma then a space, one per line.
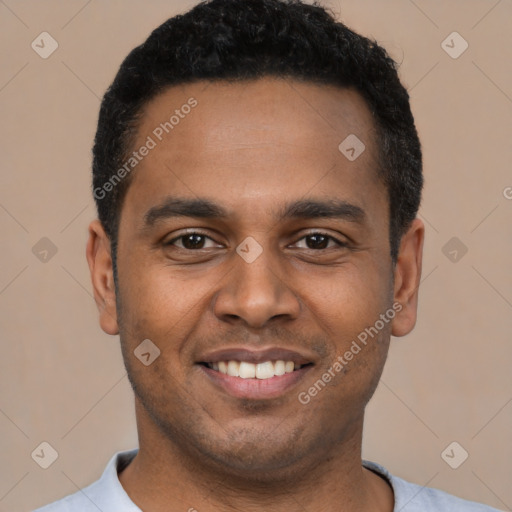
252, 144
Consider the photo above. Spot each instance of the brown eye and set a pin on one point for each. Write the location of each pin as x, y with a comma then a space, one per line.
192, 241
317, 241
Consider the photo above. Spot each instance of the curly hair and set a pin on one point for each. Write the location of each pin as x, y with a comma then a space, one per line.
236, 40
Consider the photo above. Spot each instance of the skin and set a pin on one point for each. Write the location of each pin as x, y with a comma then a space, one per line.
253, 148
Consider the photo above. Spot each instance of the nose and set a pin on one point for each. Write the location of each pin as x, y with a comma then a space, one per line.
256, 293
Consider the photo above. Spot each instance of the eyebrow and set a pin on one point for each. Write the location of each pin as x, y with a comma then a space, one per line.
302, 209
180, 207
331, 208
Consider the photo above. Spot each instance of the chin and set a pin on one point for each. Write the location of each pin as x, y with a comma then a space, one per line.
259, 455
256, 465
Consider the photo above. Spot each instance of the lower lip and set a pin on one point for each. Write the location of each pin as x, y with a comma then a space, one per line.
256, 389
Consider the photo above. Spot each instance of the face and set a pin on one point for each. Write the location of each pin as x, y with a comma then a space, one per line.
254, 254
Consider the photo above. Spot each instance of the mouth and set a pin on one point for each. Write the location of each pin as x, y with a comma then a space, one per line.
248, 370
255, 375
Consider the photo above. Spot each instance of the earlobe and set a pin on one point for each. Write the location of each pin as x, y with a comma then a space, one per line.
99, 258
407, 278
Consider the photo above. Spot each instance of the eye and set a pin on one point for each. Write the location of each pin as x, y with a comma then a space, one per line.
192, 240
319, 241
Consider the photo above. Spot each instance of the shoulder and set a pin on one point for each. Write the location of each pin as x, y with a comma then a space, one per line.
72, 502
83, 500
410, 497
106, 494
414, 498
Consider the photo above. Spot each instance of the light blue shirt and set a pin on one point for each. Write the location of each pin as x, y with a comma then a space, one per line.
108, 495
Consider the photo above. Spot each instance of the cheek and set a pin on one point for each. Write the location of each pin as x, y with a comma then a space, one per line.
348, 299
347, 307
159, 304
164, 310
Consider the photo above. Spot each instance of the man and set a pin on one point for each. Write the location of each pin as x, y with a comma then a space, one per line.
257, 175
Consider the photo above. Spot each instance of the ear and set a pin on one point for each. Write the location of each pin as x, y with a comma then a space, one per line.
407, 278
100, 265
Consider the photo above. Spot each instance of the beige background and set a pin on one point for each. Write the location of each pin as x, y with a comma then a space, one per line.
62, 379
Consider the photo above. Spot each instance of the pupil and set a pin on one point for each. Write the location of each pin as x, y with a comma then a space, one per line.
193, 241
319, 241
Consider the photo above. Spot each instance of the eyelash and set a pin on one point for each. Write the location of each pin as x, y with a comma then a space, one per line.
339, 243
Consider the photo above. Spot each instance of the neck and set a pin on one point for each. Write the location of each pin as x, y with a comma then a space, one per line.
165, 477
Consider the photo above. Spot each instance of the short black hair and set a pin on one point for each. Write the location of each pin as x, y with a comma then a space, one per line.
234, 40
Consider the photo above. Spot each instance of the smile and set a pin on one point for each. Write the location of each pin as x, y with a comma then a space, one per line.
246, 373
247, 370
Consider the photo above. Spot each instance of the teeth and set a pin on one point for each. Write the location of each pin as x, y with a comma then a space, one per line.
265, 370
245, 370
234, 368
279, 368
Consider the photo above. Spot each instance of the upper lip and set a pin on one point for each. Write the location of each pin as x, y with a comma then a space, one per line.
251, 355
